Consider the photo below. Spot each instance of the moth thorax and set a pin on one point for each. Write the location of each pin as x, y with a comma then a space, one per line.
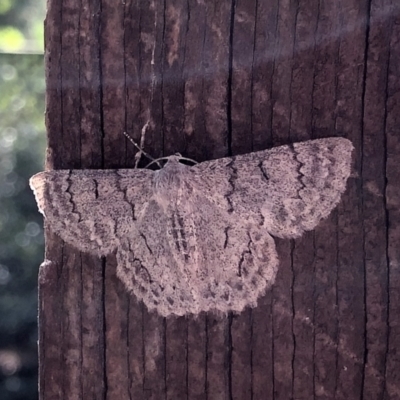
172, 176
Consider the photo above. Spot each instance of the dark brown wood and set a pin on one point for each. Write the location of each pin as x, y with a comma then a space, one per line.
210, 79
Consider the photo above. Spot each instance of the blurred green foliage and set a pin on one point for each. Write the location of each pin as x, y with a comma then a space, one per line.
21, 26
22, 144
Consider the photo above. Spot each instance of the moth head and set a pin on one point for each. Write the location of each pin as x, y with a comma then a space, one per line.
169, 176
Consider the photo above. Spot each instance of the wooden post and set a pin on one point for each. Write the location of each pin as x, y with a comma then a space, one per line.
210, 79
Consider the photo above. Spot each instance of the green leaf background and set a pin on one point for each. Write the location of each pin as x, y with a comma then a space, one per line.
22, 148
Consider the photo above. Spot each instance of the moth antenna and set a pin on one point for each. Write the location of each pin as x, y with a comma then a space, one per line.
166, 158
141, 151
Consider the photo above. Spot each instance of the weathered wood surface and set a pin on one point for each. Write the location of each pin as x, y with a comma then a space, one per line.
215, 78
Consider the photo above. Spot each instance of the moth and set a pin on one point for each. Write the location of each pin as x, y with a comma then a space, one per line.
197, 238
